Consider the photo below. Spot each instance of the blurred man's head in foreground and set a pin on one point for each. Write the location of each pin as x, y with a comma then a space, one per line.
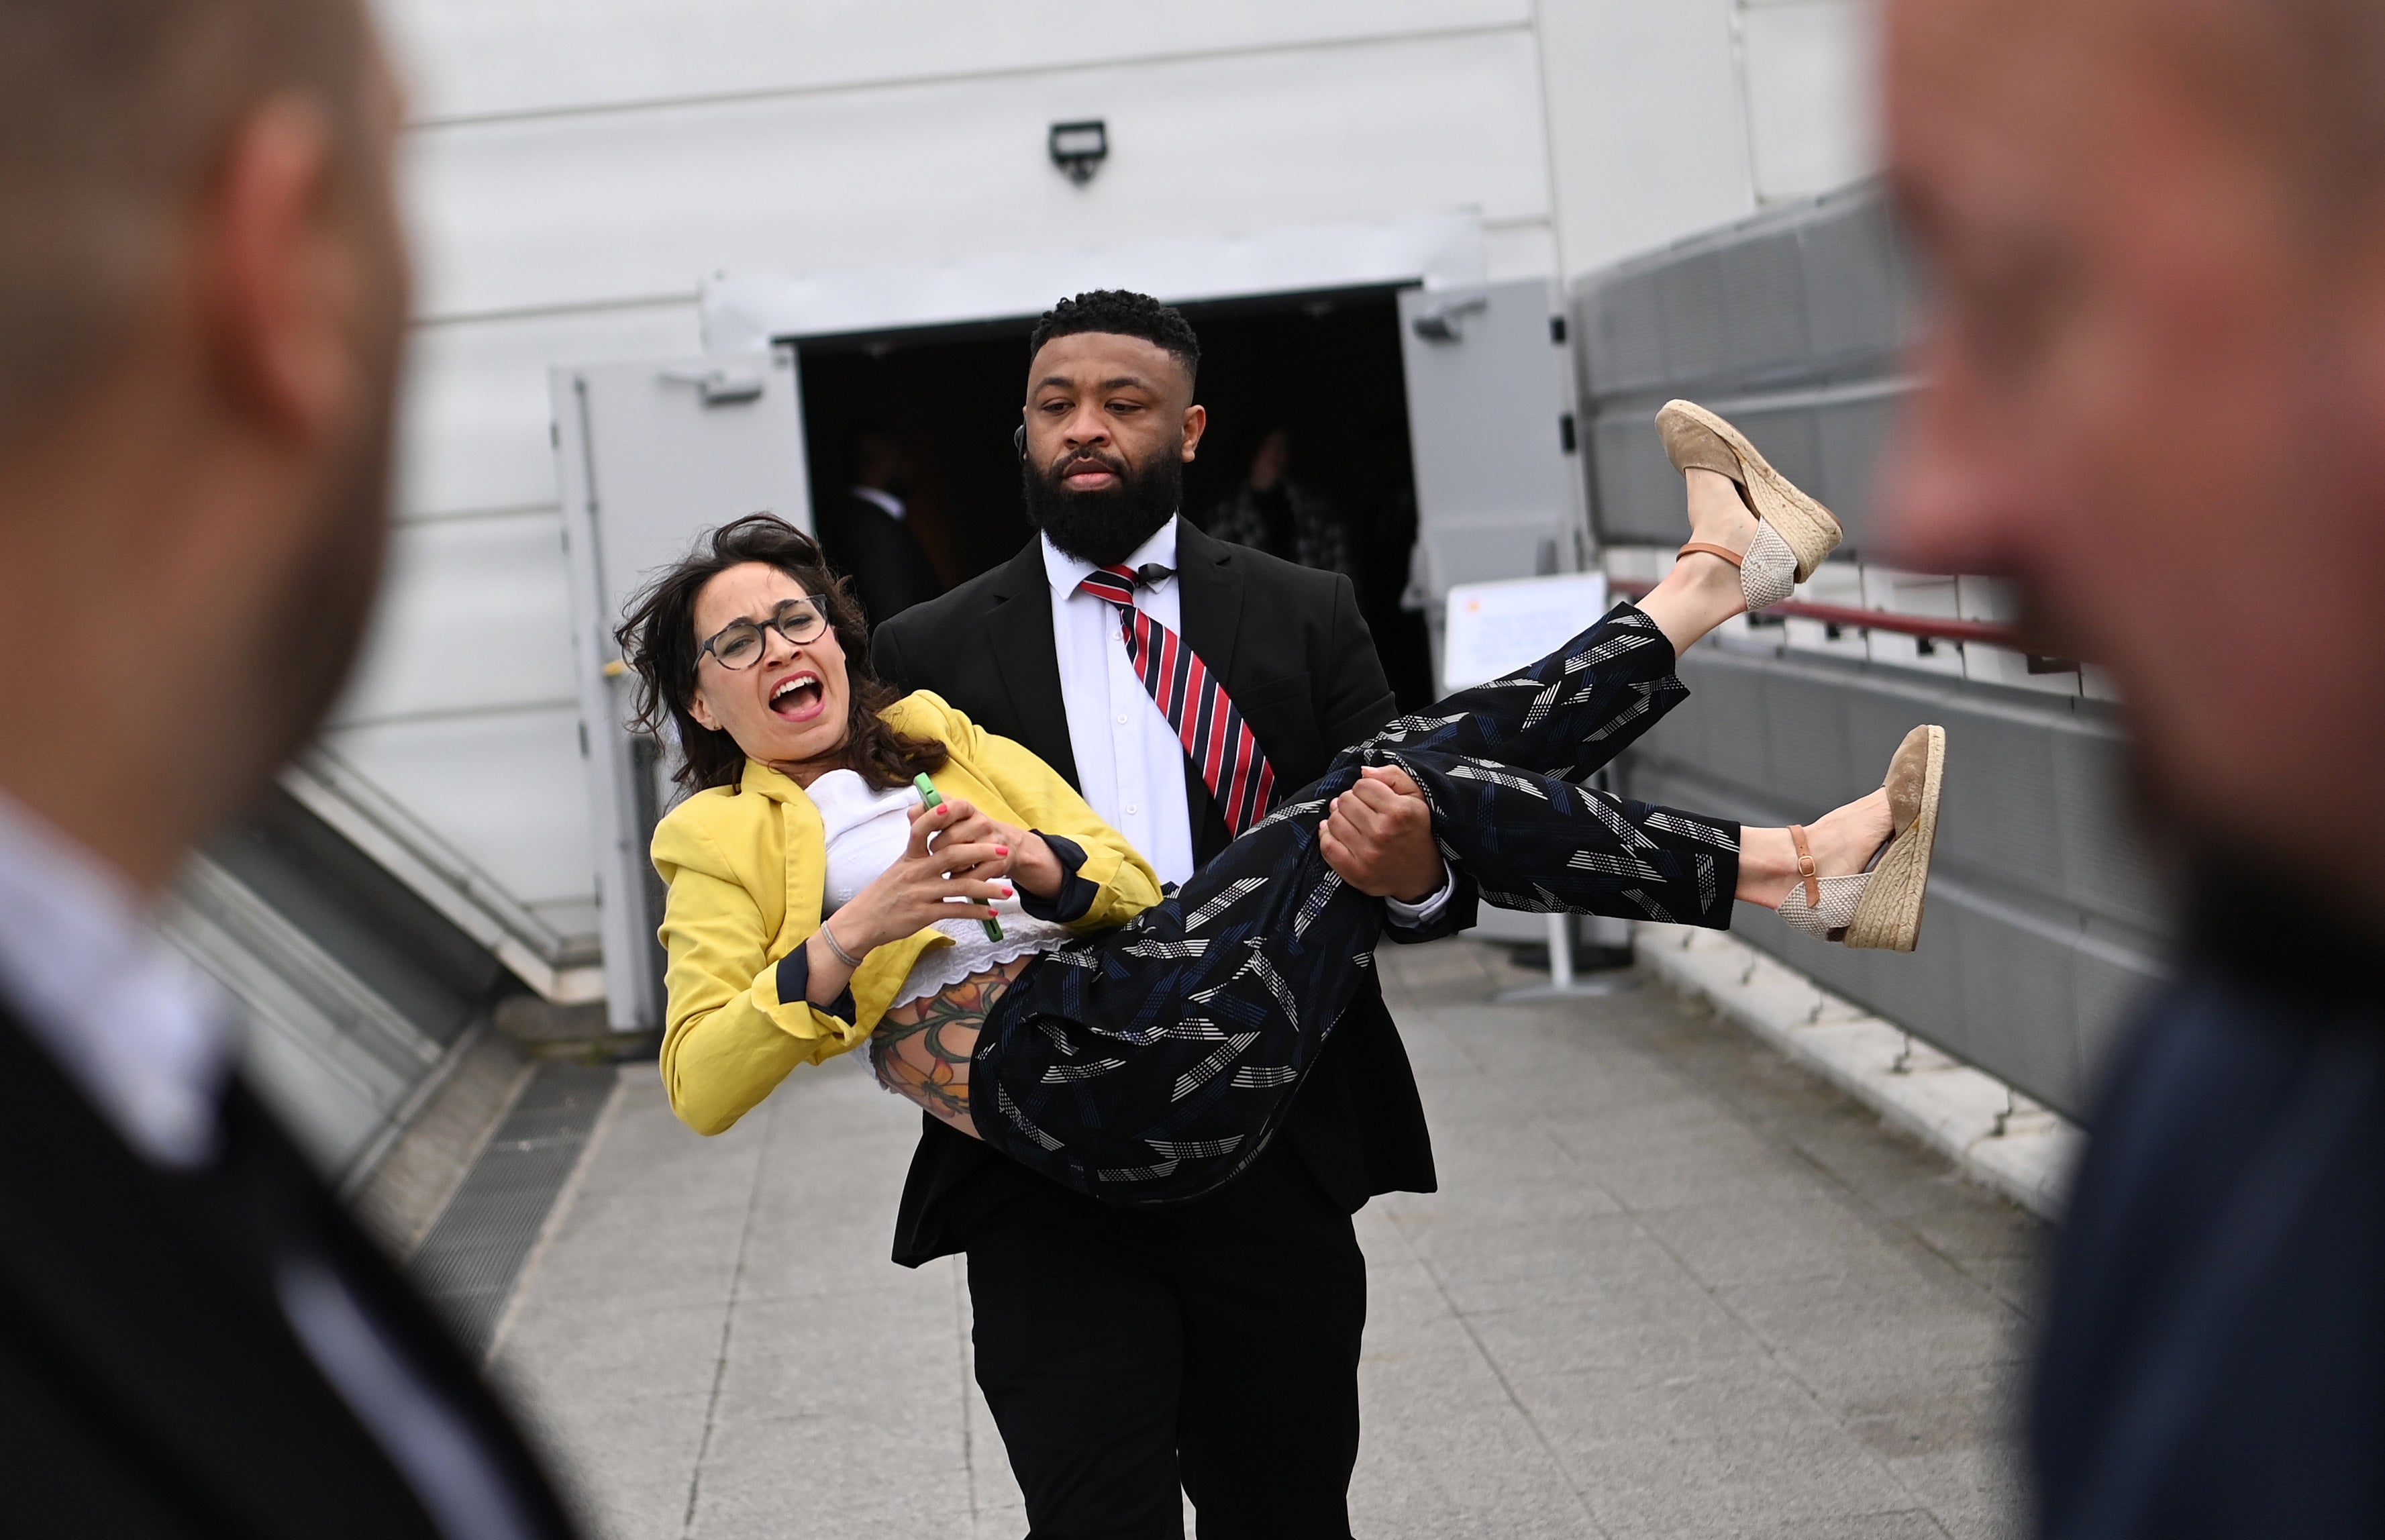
2157, 384
202, 305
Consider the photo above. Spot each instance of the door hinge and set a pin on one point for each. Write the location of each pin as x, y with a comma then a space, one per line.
1438, 322
1558, 330
719, 387
1565, 431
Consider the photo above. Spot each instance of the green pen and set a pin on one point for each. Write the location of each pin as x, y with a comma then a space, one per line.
931, 798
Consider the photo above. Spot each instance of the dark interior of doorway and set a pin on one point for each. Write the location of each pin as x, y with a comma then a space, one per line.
1324, 367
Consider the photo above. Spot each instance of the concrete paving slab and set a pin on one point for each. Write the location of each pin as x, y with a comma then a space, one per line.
1484, 1473
1969, 1490
625, 1471
1629, 1320
1672, 1286
1732, 1481
1837, 1329
1807, 1235
1496, 1266
1912, 1524
1669, 1401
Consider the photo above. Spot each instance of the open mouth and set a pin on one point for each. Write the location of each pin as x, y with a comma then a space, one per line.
798, 697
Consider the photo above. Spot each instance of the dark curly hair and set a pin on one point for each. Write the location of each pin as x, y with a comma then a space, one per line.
1124, 313
658, 641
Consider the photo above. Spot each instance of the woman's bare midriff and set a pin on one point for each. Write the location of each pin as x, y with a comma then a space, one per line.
921, 1050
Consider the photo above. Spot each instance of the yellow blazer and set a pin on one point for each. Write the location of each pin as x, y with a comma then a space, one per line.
746, 868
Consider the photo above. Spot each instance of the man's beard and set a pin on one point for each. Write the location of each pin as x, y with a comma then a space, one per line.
1104, 527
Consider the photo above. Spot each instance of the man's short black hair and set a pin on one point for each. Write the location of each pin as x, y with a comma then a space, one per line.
1126, 314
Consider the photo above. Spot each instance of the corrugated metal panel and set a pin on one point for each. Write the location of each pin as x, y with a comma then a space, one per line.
1764, 295
1689, 299
1626, 342
2042, 923
1849, 260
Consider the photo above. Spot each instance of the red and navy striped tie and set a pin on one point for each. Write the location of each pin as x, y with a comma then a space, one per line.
1215, 736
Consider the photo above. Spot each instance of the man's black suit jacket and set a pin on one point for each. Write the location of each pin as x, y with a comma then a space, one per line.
2212, 1363
1295, 656
879, 552
150, 1385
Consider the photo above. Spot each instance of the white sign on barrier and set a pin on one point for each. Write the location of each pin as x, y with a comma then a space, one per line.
1496, 628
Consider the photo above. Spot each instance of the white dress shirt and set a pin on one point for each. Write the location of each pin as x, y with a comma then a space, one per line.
1129, 762
133, 1024
895, 507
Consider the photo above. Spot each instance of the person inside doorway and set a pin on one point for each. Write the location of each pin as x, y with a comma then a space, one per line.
1272, 512
868, 532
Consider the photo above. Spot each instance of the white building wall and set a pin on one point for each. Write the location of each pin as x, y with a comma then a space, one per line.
576, 170
1669, 117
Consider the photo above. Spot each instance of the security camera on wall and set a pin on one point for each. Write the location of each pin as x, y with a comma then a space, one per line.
1080, 148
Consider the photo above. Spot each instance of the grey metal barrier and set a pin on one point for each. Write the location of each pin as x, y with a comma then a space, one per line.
1790, 323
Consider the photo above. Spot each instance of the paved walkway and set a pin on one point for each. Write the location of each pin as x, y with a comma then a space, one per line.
1671, 1287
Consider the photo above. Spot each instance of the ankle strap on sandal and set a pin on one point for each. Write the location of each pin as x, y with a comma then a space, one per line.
1805, 866
1708, 547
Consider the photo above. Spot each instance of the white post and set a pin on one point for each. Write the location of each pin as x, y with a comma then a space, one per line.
1563, 984
1560, 951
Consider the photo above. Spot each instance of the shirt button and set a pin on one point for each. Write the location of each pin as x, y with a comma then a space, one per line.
1121, 718
1131, 809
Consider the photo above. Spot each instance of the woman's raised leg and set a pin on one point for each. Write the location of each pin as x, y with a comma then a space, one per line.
1567, 714
1702, 590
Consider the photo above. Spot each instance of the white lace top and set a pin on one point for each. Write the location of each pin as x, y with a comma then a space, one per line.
866, 832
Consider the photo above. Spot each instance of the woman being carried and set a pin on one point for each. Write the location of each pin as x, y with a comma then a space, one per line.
1136, 1048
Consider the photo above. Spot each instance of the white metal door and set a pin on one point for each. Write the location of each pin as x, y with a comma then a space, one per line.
1490, 388
646, 456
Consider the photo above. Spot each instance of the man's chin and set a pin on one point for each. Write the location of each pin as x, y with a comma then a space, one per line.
1102, 528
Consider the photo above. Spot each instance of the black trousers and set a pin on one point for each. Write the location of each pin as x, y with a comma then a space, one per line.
1214, 1344
1154, 1063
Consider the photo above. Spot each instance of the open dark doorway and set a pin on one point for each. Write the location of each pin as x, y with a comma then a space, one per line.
1321, 372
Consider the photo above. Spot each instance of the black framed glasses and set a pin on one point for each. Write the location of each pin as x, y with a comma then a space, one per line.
738, 645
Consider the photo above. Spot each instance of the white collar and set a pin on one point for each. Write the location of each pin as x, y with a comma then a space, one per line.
132, 1023
895, 507
1065, 571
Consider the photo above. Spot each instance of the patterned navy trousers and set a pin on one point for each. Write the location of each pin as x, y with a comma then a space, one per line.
1151, 1063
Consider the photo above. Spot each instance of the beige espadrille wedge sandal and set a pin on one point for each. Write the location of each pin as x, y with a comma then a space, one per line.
1880, 906
1793, 532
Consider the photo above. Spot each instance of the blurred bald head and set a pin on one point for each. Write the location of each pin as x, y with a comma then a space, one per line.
2156, 382
2300, 78
202, 306
114, 114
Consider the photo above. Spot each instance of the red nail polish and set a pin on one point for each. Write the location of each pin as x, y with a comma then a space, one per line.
1001, 850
